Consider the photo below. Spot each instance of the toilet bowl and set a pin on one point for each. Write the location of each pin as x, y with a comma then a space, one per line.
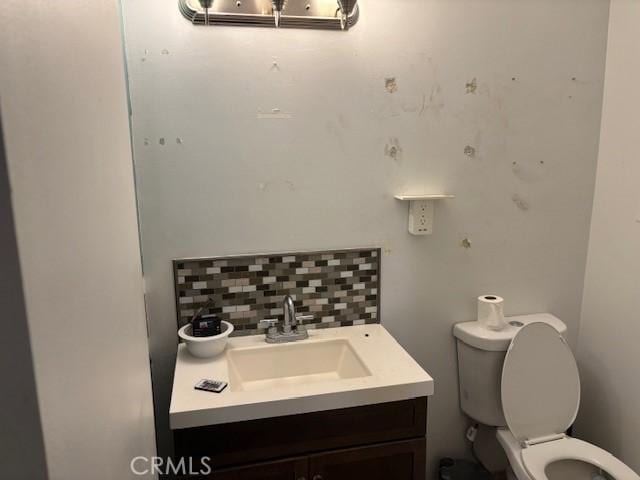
562, 459
538, 397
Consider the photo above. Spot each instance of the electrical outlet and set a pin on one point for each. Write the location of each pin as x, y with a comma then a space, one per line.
421, 209
421, 217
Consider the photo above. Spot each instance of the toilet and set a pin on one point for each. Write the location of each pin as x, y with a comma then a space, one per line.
524, 383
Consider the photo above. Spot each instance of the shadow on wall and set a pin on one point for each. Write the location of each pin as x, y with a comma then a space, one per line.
603, 396
21, 443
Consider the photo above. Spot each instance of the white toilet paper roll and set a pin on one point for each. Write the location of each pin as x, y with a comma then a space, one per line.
491, 312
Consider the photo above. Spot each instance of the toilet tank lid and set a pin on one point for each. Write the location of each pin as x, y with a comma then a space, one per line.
478, 336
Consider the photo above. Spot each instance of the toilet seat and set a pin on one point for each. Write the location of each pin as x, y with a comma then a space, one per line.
536, 458
540, 390
540, 385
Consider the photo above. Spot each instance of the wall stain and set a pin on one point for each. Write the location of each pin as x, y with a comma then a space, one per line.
432, 103
465, 243
435, 103
423, 105
472, 86
344, 121
470, 151
518, 171
391, 85
393, 150
520, 202
162, 141
165, 51
338, 132
266, 186
525, 174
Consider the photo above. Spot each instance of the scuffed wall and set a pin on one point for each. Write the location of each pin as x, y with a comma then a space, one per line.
256, 140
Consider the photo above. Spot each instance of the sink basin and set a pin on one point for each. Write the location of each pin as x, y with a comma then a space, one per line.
273, 366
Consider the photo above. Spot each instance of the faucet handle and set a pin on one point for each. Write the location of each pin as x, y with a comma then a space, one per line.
304, 318
268, 323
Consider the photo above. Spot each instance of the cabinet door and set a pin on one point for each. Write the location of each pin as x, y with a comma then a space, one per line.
398, 461
267, 439
290, 469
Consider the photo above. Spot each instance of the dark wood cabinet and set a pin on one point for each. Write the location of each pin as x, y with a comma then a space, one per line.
289, 469
374, 442
403, 460
398, 461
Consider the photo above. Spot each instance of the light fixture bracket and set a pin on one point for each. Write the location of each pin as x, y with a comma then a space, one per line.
310, 14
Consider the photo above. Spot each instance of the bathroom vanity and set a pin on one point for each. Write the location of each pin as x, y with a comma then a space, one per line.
346, 403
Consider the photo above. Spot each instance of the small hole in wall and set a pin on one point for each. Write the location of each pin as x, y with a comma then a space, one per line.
366, 334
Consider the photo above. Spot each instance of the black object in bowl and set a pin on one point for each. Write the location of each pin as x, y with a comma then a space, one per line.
206, 326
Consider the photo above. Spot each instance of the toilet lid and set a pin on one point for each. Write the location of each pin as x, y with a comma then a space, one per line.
540, 383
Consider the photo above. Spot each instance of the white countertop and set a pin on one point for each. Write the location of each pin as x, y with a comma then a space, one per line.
394, 376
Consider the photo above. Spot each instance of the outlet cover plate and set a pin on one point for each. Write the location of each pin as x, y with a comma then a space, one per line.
421, 217
421, 211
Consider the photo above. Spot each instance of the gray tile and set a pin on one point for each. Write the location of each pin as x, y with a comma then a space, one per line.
333, 286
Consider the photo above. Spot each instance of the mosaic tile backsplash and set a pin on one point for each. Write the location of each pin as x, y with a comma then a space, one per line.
337, 287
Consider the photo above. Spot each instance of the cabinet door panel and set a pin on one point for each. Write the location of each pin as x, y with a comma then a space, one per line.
290, 469
260, 440
398, 461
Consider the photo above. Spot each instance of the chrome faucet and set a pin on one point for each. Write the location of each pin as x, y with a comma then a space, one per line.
290, 321
290, 330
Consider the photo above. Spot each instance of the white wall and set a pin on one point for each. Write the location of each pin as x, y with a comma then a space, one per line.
236, 183
610, 325
64, 114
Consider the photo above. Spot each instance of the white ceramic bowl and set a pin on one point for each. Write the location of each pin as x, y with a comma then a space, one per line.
206, 347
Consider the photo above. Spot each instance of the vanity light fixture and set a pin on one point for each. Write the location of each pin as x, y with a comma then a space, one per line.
310, 14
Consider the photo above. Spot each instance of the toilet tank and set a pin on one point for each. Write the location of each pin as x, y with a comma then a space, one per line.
481, 353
